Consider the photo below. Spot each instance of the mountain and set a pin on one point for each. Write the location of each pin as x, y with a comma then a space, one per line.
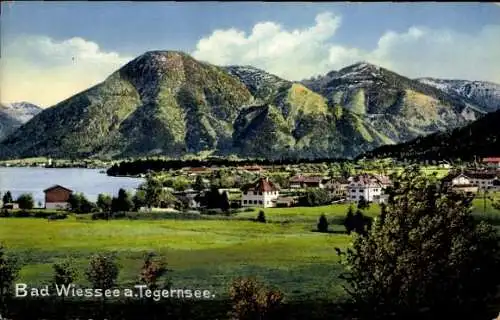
482, 93
14, 115
166, 102
396, 107
480, 138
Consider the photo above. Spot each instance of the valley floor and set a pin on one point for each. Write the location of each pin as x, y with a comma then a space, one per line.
204, 254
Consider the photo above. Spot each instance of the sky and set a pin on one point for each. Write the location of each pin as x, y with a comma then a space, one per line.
53, 50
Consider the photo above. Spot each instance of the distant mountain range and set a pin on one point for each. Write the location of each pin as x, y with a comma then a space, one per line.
13, 115
166, 102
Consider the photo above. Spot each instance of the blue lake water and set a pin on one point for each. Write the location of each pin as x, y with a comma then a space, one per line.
90, 182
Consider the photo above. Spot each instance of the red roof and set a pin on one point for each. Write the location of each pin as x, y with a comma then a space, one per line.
492, 159
261, 185
57, 187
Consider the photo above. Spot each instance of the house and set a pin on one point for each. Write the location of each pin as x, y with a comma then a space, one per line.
11, 206
285, 201
459, 182
262, 193
482, 180
337, 187
471, 181
57, 197
367, 186
300, 182
492, 162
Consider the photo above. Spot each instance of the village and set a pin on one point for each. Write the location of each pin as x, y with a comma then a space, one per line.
264, 187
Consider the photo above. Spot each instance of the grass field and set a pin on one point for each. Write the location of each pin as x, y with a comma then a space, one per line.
204, 254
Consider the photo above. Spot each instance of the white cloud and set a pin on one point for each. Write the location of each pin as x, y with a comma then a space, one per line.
43, 71
298, 54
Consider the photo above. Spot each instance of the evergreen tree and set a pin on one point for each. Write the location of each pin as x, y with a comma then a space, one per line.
261, 217
7, 198
349, 220
323, 224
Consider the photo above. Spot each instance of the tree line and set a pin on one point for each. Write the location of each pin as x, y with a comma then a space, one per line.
143, 166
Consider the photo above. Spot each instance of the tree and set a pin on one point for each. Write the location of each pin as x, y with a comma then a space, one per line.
261, 217
323, 224
7, 198
199, 185
78, 203
25, 201
104, 202
361, 223
428, 255
180, 184
252, 300
9, 270
139, 199
102, 272
363, 204
224, 202
316, 197
153, 269
122, 203
349, 220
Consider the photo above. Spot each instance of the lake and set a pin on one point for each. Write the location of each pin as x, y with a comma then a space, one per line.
34, 180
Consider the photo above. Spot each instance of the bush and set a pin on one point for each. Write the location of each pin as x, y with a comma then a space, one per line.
261, 217
22, 214
251, 300
57, 216
4, 213
9, 270
43, 214
323, 224
102, 272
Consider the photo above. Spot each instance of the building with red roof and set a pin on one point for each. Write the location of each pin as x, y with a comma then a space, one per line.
261, 193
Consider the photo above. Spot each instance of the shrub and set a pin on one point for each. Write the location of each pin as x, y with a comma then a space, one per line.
152, 271
102, 272
251, 300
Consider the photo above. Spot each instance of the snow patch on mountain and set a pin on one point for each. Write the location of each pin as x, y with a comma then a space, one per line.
482, 93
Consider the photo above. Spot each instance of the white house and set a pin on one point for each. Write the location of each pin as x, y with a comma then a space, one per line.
262, 193
368, 187
482, 180
460, 182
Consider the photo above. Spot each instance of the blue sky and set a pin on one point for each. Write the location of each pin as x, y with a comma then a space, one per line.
39, 39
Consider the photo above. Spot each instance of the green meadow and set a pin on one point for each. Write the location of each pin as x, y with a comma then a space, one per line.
205, 254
